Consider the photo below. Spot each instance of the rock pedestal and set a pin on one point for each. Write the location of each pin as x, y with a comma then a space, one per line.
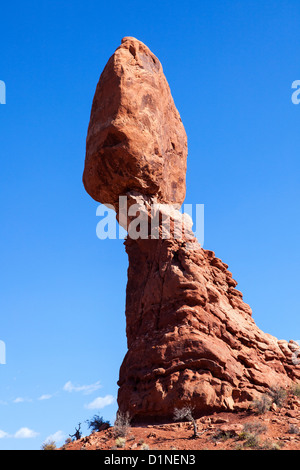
191, 338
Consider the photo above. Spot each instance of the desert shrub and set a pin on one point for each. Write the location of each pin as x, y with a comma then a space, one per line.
278, 395
255, 428
293, 429
66, 443
269, 445
120, 442
145, 447
186, 413
122, 424
239, 447
97, 423
254, 443
77, 434
295, 390
261, 406
250, 440
222, 435
49, 445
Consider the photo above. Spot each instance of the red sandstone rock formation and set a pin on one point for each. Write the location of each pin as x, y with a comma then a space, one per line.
191, 338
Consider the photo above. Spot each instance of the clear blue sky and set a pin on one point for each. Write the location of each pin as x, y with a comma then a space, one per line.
230, 66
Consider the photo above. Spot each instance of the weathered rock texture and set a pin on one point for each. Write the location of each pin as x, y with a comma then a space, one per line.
136, 140
191, 338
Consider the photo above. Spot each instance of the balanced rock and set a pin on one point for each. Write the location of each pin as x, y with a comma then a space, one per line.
136, 140
191, 338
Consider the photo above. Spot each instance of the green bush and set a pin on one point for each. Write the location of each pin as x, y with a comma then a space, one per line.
97, 423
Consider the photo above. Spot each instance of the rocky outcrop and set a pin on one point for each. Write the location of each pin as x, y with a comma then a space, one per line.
191, 338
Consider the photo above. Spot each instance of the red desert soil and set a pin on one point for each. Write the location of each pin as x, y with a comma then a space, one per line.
273, 430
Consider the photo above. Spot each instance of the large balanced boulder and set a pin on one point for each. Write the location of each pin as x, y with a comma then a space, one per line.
136, 140
191, 339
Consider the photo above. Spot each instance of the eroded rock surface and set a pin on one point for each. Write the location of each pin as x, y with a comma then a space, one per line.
191, 338
136, 140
